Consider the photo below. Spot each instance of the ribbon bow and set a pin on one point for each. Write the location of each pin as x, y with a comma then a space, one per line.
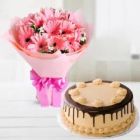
48, 89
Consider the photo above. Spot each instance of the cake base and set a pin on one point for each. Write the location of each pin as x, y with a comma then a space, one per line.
118, 129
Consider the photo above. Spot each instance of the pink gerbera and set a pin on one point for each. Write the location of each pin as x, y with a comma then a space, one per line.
52, 27
62, 15
55, 43
47, 14
39, 43
67, 27
25, 34
36, 20
71, 45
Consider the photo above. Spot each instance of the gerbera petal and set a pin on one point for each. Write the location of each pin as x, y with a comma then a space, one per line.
52, 27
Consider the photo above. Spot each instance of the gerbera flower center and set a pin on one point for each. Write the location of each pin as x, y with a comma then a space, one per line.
27, 39
63, 32
54, 44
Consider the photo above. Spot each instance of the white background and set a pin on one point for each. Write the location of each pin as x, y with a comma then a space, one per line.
116, 31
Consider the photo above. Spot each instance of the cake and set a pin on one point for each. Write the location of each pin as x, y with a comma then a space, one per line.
98, 108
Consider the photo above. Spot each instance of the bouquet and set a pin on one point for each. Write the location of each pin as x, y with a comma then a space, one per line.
50, 41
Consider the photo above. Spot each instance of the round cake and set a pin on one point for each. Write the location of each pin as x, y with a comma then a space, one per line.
98, 108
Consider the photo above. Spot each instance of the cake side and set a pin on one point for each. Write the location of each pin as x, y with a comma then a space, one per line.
93, 131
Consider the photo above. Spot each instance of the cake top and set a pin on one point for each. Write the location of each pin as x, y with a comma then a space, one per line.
98, 93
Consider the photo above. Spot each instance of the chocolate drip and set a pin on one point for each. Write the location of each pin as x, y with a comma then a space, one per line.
69, 112
124, 110
127, 107
65, 108
117, 115
73, 115
83, 114
93, 121
132, 107
103, 118
77, 113
121, 113
111, 116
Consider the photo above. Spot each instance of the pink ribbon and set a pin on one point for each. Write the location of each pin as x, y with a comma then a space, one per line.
49, 90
